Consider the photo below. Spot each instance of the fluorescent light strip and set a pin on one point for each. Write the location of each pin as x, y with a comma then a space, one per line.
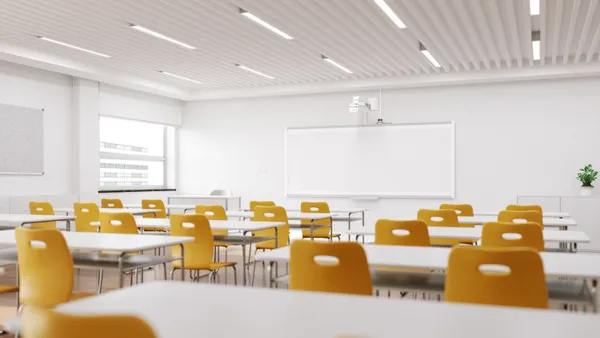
74, 47
534, 7
160, 36
180, 77
265, 24
431, 58
254, 71
535, 45
390, 13
325, 58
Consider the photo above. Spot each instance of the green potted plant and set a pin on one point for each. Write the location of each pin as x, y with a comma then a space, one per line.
587, 175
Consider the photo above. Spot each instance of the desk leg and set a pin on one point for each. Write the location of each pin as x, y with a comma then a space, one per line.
18, 291
244, 265
120, 272
270, 273
562, 245
182, 262
595, 295
312, 230
226, 203
349, 226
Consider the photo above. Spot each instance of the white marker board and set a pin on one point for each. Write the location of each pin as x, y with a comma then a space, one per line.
384, 161
21, 140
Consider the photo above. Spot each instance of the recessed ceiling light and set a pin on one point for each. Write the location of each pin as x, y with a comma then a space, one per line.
534, 7
254, 71
180, 77
160, 36
535, 45
325, 58
428, 55
265, 24
390, 13
74, 47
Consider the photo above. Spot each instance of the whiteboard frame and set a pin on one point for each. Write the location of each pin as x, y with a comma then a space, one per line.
413, 195
42, 173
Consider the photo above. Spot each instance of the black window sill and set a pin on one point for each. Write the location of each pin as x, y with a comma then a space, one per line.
133, 190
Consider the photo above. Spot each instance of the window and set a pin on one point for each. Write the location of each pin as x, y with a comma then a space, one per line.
133, 154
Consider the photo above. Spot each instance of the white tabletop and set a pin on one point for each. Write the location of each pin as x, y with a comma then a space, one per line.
167, 206
203, 197
548, 221
475, 234
556, 264
292, 215
337, 210
165, 223
15, 220
545, 214
174, 311
70, 210
108, 242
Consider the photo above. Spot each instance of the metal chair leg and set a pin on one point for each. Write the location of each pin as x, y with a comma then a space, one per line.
165, 270
254, 270
234, 274
100, 277
172, 272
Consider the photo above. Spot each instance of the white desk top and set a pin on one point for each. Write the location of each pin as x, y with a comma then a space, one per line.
174, 312
292, 215
475, 234
556, 264
335, 210
140, 211
203, 197
108, 242
167, 206
19, 219
548, 221
545, 214
164, 223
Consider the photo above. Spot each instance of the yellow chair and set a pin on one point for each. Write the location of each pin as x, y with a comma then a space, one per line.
318, 207
348, 274
524, 285
494, 235
112, 203
216, 213
462, 210
85, 214
529, 216
254, 204
157, 205
272, 214
522, 207
417, 233
118, 223
42, 208
44, 323
45, 268
440, 218
199, 253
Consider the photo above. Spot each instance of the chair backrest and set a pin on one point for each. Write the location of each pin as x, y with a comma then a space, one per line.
42, 208
438, 218
45, 267
523, 207
496, 276
460, 209
408, 233
85, 214
254, 204
112, 203
316, 207
155, 204
272, 214
521, 217
220, 192
212, 212
45, 323
510, 235
341, 268
118, 223
200, 251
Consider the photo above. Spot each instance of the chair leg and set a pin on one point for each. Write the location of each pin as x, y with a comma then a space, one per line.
172, 272
100, 277
234, 275
165, 270
254, 270
225, 261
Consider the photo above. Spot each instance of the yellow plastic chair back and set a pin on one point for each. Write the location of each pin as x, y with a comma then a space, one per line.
272, 214
522, 207
316, 207
528, 216
440, 218
198, 253
468, 281
155, 204
118, 223
254, 204
112, 203
510, 235
415, 233
42, 208
44, 323
85, 214
348, 272
45, 267
213, 212
460, 209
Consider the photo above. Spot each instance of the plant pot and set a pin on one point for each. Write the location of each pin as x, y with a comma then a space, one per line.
587, 191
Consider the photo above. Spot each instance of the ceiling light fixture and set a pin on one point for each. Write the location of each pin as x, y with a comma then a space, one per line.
265, 24
74, 47
535, 45
253, 71
160, 36
428, 55
390, 13
325, 58
180, 77
534, 7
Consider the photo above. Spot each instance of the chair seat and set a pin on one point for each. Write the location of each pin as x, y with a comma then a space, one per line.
8, 288
211, 266
80, 295
322, 236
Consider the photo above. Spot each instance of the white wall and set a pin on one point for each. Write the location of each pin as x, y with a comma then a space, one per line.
523, 138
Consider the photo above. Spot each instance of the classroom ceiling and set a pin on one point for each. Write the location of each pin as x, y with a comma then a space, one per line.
462, 35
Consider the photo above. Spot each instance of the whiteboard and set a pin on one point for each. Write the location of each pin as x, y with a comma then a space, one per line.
21, 140
383, 161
